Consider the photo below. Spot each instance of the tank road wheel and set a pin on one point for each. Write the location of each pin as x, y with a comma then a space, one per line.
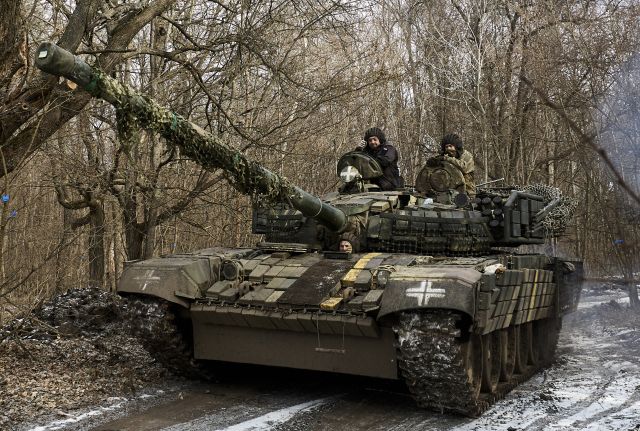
472, 354
508, 350
523, 341
491, 361
536, 330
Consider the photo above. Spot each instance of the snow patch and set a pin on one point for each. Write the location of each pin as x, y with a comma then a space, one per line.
72, 419
616, 395
267, 421
628, 418
60, 424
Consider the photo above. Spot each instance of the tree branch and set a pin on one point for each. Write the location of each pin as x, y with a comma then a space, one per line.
584, 138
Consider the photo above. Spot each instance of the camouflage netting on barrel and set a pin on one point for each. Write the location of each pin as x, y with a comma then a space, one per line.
136, 110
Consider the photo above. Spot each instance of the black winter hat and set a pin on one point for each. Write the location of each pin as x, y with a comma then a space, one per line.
454, 139
374, 131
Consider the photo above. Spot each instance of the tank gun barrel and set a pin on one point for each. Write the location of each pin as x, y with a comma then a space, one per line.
205, 149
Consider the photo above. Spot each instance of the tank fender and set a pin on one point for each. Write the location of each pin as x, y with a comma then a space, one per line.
417, 287
176, 279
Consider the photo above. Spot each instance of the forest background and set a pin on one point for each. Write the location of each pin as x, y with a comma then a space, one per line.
294, 84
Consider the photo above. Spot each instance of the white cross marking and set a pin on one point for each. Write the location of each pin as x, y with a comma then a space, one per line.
424, 292
148, 278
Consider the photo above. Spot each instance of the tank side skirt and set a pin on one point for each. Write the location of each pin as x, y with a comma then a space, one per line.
170, 281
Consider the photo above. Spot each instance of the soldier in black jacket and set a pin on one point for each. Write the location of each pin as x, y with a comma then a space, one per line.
385, 154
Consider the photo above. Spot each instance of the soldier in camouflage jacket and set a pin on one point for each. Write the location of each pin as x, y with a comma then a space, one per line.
453, 152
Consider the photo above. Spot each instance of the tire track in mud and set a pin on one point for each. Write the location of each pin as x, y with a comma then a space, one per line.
615, 394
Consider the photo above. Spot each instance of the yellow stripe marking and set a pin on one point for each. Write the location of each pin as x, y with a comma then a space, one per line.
331, 303
535, 287
350, 278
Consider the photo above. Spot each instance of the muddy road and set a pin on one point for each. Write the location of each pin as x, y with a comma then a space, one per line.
594, 384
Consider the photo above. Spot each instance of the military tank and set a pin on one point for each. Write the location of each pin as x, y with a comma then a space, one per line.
427, 288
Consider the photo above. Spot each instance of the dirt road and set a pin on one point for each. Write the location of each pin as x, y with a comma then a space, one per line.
594, 384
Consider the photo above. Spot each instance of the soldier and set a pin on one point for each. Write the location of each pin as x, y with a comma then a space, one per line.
375, 144
453, 152
346, 247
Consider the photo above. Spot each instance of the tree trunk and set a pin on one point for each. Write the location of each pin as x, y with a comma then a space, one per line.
9, 33
151, 223
96, 243
634, 301
64, 255
134, 240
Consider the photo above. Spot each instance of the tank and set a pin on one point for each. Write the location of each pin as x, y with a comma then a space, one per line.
421, 283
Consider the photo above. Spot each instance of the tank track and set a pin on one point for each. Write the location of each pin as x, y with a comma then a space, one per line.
152, 321
431, 361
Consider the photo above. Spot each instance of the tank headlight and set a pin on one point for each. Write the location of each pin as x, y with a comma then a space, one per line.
349, 174
232, 270
382, 278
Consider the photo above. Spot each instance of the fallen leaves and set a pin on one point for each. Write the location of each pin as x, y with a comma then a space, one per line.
69, 376
45, 376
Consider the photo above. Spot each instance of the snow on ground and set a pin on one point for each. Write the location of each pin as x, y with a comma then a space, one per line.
268, 421
593, 384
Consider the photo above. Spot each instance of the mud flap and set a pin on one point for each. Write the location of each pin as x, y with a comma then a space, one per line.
445, 288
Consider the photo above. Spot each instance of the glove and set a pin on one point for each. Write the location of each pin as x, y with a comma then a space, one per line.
435, 161
361, 145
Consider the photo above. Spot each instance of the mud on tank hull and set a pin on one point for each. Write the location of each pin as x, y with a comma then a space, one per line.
461, 336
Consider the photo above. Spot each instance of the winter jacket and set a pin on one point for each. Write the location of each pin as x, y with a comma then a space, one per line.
387, 156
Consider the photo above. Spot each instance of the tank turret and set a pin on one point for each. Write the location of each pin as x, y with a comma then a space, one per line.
420, 292
434, 218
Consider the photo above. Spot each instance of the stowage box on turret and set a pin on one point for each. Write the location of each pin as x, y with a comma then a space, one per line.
401, 284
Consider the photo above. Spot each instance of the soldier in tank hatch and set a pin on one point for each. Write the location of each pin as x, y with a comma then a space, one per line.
375, 144
346, 247
452, 151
